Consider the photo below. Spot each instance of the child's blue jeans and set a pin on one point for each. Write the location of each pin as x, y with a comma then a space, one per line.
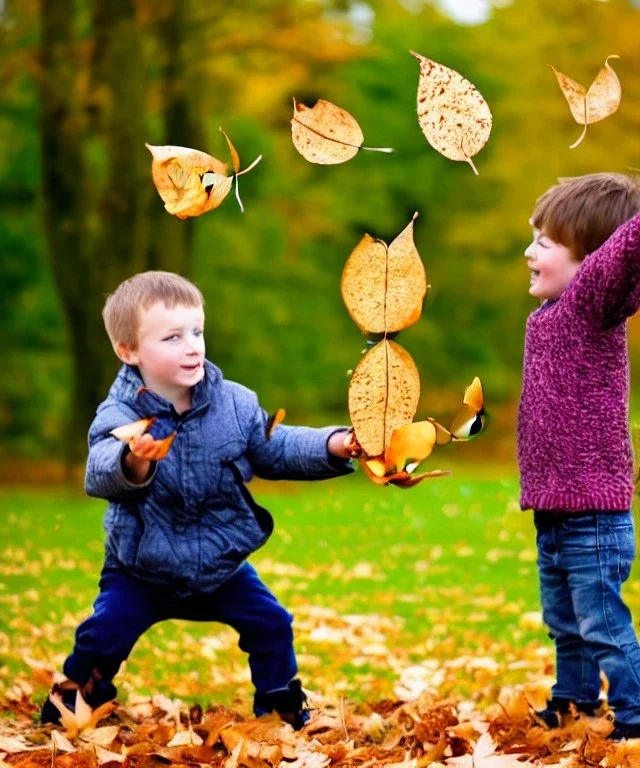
583, 561
126, 607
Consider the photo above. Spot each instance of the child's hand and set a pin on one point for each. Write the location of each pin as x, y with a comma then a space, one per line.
344, 445
352, 446
146, 447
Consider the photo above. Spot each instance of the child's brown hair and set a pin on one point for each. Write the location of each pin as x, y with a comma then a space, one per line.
583, 211
120, 313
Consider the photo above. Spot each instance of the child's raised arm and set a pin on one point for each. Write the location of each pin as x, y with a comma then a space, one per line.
606, 288
105, 475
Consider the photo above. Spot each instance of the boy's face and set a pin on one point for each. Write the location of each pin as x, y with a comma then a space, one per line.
552, 266
170, 351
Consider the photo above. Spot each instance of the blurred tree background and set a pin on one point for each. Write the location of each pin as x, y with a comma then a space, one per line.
83, 85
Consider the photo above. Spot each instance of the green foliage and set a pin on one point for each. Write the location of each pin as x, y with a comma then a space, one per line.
271, 276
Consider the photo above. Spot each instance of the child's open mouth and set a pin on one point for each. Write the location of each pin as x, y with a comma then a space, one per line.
534, 276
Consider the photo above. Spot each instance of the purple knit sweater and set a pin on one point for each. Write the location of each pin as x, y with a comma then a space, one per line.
574, 449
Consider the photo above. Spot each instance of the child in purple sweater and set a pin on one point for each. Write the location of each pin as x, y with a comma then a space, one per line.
574, 450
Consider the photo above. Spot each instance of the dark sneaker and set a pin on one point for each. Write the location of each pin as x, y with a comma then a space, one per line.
552, 714
49, 712
101, 693
624, 731
290, 703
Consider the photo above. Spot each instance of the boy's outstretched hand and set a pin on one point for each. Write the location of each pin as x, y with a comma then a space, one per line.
142, 451
344, 445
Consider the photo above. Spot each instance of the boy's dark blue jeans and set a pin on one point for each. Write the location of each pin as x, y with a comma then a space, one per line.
126, 607
583, 562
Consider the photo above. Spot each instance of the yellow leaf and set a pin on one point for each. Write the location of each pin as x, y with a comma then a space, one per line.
453, 115
470, 419
377, 466
327, 134
383, 395
189, 182
443, 436
412, 480
411, 443
276, 418
473, 396
384, 288
601, 100
135, 429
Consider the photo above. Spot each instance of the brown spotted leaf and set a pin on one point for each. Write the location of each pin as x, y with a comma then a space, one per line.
453, 115
601, 100
327, 134
383, 395
384, 287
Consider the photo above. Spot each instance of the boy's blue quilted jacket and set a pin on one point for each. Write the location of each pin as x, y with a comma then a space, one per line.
193, 522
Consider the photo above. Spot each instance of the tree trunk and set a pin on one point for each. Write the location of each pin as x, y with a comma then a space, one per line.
103, 219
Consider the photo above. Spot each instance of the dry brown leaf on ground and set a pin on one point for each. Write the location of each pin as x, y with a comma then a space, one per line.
383, 394
601, 100
384, 287
453, 115
484, 756
327, 134
191, 182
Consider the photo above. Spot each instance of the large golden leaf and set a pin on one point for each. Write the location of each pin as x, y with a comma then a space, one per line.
191, 182
453, 115
327, 134
383, 395
384, 287
601, 100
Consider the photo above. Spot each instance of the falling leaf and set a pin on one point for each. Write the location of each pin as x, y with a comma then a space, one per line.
326, 134
383, 395
470, 419
191, 182
272, 422
453, 115
384, 287
410, 443
601, 100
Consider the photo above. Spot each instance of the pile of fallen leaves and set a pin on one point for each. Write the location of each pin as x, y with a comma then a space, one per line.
428, 731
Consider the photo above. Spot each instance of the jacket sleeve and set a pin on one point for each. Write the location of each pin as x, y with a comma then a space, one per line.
105, 476
292, 453
606, 288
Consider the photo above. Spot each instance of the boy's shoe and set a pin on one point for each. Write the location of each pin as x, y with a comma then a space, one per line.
624, 731
290, 703
49, 712
551, 715
101, 693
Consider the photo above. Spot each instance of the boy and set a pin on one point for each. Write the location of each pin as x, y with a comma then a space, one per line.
179, 529
574, 450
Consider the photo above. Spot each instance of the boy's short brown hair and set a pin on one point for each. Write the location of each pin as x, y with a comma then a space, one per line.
583, 211
120, 313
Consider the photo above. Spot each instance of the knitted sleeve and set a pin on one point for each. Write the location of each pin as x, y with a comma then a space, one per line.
606, 288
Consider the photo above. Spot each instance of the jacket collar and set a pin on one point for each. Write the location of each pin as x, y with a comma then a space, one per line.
128, 382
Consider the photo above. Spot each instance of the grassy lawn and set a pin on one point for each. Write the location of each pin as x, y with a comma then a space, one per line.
433, 586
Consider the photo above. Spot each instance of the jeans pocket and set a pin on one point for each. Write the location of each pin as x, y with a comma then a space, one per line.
617, 544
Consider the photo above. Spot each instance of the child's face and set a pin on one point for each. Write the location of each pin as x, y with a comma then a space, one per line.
552, 266
170, 352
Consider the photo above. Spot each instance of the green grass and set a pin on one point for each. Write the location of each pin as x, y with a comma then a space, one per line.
441, 575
